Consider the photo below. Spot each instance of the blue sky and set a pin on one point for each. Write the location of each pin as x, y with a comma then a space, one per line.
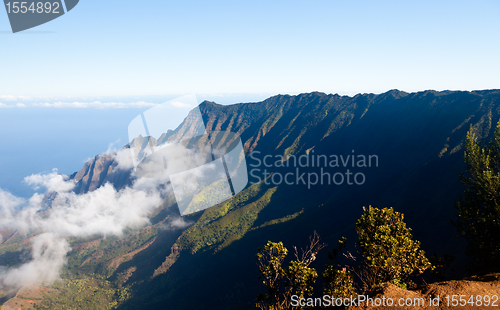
137, 49
115, 54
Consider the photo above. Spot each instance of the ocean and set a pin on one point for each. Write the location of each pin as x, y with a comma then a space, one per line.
37, 140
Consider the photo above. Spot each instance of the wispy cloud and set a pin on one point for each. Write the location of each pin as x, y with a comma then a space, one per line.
112, 147
52, 182
177, 223
95, 105
109, 102
14, 98
17, 105
48, 258
180, 105
8, 101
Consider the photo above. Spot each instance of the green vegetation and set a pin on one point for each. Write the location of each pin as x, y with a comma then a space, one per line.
389, 254
104, 255
478, 209
89, 292
387, 247
338, 281
214, 230
283, 282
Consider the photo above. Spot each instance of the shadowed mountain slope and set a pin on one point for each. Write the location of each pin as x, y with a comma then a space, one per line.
418, 141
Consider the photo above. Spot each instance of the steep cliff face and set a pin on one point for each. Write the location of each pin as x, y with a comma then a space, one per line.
98, 171
113, 168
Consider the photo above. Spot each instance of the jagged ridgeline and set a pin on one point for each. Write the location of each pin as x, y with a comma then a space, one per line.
396, 149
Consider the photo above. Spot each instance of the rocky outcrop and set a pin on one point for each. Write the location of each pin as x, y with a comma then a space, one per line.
99, 171
113, 168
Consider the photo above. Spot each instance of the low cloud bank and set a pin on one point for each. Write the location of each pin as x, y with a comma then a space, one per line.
81, 105
103, 212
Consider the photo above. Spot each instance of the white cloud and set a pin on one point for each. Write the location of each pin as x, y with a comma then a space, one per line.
14, 98
82, 105
9, 203
180, 105
103, 212
53, 182
19, 105
48, 257
95, 105
177, 223
112, 147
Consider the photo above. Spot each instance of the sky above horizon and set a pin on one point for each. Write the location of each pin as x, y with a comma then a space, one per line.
250, 50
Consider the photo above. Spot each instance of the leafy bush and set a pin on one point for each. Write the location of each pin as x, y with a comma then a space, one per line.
338, 281
478, 209
400, 284
282, 282
388, 247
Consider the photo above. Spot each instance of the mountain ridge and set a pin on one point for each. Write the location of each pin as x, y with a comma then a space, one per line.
89, 181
